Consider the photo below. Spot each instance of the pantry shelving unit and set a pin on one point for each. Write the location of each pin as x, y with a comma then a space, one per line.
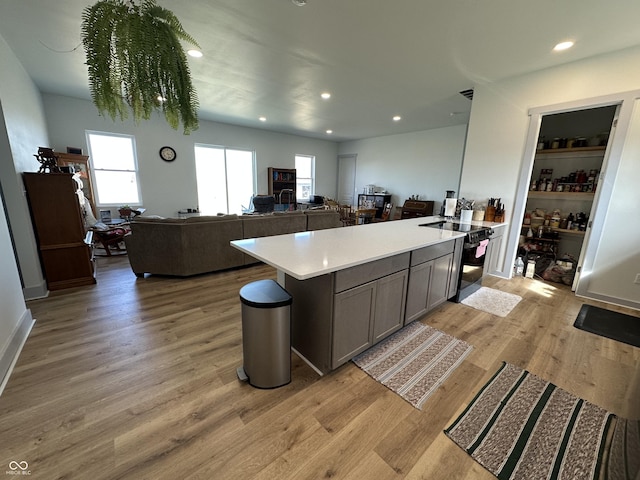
563, 161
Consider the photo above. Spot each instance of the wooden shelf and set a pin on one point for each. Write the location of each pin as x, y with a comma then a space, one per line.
562, 195
571, 150
282, 179
568, 232
559, 230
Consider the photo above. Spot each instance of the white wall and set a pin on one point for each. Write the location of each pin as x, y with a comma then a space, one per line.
618, 258
21, 132
169, 187
425, 163
24, 131
498, 129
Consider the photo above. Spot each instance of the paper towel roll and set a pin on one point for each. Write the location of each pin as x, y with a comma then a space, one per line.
450, 206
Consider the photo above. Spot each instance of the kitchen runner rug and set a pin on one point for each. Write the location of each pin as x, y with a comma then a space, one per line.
606, 323
414, 361
520, 426
492, 301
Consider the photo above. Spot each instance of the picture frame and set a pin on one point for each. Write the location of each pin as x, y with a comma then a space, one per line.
105, 216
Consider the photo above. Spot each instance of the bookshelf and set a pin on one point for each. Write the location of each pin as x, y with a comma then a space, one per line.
282, 185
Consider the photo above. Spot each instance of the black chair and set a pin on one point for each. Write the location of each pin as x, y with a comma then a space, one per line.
263, 203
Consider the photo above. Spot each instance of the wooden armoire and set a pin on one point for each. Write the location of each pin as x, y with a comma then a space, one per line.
65, 251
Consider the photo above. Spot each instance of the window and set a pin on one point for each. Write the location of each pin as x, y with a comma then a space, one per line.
115, 168
305, 166
225, 179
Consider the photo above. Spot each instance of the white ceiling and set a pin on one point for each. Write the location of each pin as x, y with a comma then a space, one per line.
378, 58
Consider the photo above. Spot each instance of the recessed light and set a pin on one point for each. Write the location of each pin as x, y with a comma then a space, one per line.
299, 3
329, 132
194, 53
262, 119
325, 95
397, 118
563, 45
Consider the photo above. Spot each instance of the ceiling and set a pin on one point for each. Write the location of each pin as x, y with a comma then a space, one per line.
378, 58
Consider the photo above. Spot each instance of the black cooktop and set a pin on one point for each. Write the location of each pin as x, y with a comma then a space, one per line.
475, 233
456, 227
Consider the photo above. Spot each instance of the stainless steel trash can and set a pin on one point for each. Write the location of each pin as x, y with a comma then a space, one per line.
266, 334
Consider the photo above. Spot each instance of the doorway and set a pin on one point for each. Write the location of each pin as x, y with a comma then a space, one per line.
608, 264
346, 179
564, 180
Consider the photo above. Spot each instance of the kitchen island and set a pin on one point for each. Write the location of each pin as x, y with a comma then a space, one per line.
354, 286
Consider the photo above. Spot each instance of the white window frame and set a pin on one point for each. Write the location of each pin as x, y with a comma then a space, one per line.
94, 169
312, 160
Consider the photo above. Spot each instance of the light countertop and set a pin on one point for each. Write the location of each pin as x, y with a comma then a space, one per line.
306, 255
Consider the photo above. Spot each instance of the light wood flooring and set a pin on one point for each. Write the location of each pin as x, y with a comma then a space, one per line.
136, 379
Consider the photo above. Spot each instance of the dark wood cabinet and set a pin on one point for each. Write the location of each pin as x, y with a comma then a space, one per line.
378, 200
57, 222
416, 208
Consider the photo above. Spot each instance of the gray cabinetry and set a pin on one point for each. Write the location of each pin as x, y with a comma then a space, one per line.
365, 313
439, 285
353, 315
431, 278
456, 265
418, 291
390, 303
492, 259
339, 315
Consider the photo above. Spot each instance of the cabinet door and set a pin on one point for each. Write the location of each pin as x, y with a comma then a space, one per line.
493, 255
456, 266
390, 303
439, 287
352, 321
418, 291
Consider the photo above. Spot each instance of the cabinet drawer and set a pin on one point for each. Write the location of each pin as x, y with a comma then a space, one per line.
432, 251
360, 274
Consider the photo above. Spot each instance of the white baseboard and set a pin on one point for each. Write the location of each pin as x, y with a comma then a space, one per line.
9, 357
33, 293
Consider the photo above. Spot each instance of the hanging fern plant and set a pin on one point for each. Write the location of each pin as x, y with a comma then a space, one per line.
135, 60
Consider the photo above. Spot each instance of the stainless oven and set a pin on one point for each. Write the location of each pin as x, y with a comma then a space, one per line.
474, 253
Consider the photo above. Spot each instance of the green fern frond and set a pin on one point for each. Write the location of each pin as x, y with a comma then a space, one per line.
134, 55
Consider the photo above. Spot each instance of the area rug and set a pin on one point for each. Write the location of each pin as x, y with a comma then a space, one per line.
606, 323
623, 460
414, 361
520, 426
492, 301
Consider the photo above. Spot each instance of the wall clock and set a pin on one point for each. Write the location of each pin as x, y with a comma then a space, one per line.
168, 154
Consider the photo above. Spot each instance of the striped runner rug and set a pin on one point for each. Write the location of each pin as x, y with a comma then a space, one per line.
414, 361
520, 426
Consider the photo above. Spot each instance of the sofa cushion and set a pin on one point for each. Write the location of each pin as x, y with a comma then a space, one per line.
181, 247
322, 219
211, 218
277, 223
156, 219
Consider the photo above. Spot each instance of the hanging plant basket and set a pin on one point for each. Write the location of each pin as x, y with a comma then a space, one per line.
136, 61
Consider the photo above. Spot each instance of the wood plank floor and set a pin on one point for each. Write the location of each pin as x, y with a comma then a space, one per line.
136, 379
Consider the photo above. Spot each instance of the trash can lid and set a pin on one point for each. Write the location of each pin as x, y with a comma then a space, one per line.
265, 294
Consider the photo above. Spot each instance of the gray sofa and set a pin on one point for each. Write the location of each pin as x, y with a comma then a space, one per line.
183, 247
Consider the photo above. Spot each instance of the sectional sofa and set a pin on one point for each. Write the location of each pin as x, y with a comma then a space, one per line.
183, 247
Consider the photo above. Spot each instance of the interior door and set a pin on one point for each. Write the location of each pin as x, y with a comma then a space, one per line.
594, 206
346, 179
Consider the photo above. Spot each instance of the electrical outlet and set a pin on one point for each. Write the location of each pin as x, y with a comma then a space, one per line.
637, 280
